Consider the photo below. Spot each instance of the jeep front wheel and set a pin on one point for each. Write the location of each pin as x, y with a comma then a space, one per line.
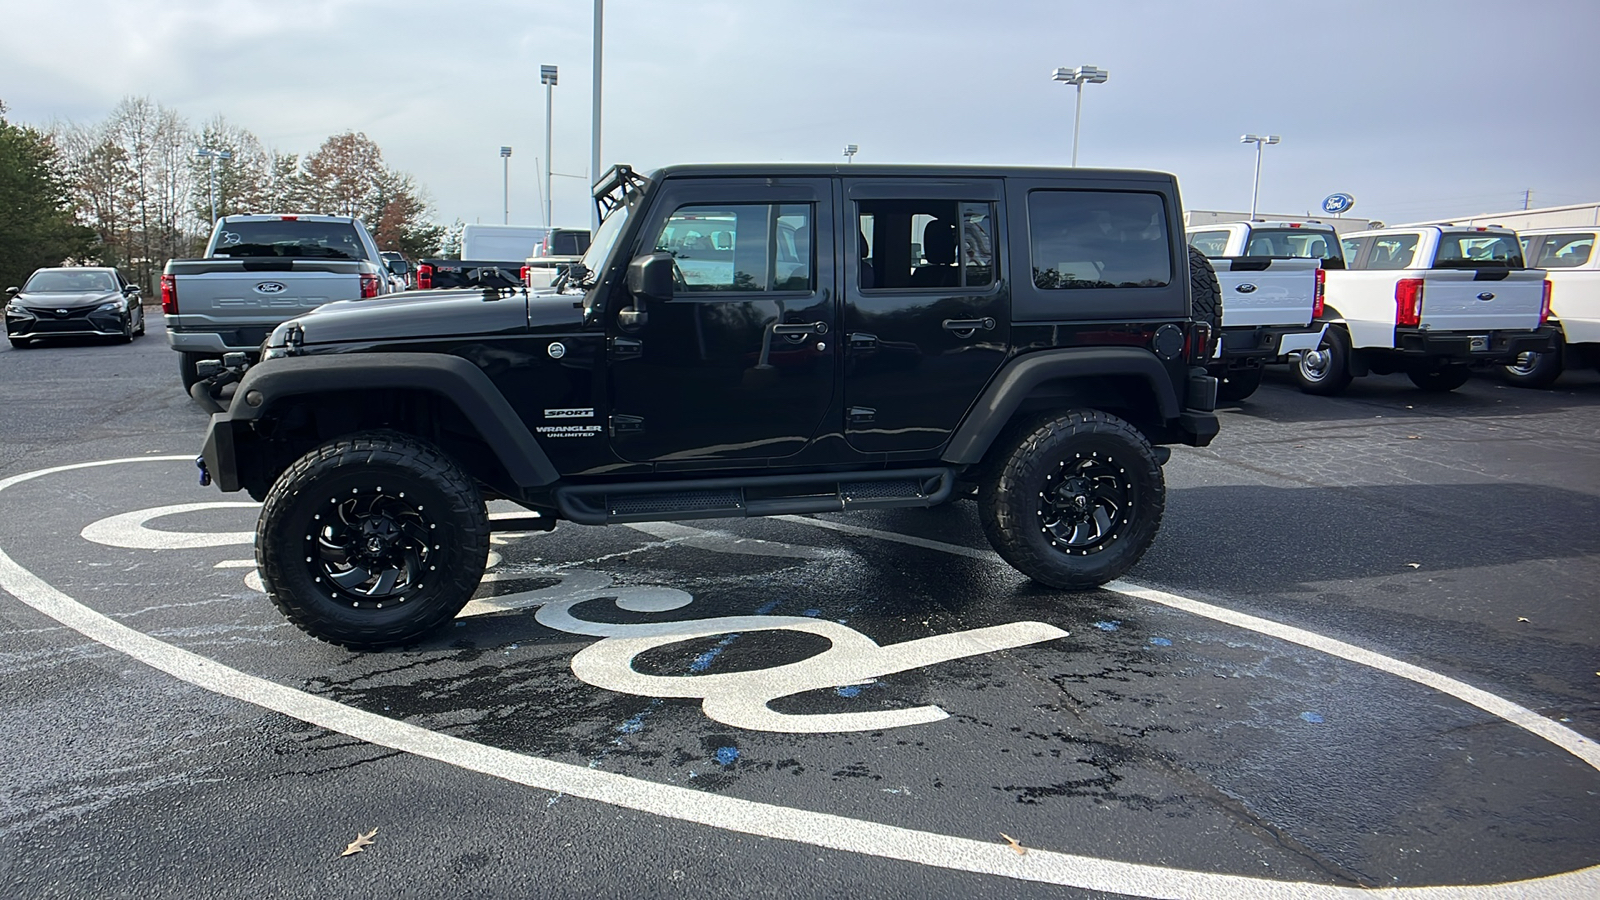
1076, 502
372, 540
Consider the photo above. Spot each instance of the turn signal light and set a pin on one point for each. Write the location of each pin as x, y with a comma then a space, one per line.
369, 286
1322, 288
424, 277
169, 295
525, 275
1544, 309
1408, 302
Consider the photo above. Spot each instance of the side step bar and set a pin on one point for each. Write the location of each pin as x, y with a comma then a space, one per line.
773, 495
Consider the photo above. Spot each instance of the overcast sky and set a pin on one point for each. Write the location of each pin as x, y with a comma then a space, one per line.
1419, 108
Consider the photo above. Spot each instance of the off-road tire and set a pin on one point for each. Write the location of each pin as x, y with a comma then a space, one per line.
1205, 292
1237, 384
1535, 370
312, 526
186, 369
1331, 373
1441, 380
1022, 496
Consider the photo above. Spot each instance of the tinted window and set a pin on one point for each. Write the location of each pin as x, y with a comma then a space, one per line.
1352, 248
1098, 239
1209, 243
290, 237
1563, 251
68, 282
1294, 242
740, 247
1476, 249
925, 244
568, 243
1392, 251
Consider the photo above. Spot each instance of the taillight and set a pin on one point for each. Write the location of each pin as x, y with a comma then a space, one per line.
1318, 299
525, 270
169, 295
424, 278
1408, 302
1197, 345
369, 286
1544, 310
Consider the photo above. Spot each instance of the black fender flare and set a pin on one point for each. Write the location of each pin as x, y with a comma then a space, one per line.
452, 378
1006, 391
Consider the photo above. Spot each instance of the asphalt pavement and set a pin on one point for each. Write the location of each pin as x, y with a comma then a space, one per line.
1361, 654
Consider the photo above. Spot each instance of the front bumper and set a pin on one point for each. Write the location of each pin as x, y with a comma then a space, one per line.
1494, 347
217, 459
36, 323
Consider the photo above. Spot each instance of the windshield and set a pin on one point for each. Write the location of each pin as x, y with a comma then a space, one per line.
289, 237
1477, 249
605, 239
66, 282
1298, 243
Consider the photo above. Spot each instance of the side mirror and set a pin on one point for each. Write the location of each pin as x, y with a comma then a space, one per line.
650, 276
13, 290
130, 289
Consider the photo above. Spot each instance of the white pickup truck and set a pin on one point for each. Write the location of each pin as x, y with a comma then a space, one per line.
261, 270
1430, 301
1271, 275
1573, 270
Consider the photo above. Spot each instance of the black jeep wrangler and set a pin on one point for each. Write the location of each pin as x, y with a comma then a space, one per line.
742, 340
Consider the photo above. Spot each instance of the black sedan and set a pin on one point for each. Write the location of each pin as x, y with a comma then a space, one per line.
75, 301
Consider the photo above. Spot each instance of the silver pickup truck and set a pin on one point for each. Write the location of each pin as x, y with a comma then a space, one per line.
1272, 277
259, 271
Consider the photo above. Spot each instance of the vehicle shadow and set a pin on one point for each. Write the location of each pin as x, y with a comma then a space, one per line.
1486, 395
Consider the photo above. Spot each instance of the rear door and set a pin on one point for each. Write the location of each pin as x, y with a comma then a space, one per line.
926, 307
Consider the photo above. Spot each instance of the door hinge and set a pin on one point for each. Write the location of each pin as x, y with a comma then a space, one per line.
626, 425
626, 348
861, 415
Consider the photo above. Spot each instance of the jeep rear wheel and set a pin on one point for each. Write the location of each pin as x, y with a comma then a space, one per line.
1205, 292
1076, 502
372, 540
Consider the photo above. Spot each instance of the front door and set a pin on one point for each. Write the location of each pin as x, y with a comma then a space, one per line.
739, 366
926, 307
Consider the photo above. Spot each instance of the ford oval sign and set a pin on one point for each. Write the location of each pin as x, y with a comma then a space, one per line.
1246, 288
271, 287
1336, 204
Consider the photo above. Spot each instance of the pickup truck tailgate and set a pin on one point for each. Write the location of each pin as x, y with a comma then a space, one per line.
1263, 291
1482, 301
227, 293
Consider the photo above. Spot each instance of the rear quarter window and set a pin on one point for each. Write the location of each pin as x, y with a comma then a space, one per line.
1089, 240
1209, 243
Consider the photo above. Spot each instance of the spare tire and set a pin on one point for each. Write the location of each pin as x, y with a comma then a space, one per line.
1205, 295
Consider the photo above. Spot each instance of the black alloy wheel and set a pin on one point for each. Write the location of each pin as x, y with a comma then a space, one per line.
372, 540
1076, 502
127, 328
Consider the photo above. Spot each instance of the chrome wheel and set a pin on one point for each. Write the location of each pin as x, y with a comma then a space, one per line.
1314, 364
1526, 364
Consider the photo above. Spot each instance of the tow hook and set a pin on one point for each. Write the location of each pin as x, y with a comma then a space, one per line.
205, 474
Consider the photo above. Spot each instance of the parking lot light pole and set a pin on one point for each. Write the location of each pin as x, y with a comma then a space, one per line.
547, 77
505, 180
850, 152
1258, 140
207, 153
594, 138
1078, 77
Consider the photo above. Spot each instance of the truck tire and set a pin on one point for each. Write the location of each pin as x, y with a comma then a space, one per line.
372, 540
1076, 501
1325, 371
1206, 294
1535, 370
1238, 384
1441, 380
186, 370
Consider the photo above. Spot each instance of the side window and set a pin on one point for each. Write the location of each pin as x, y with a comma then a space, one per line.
1098, 239
740, 247
922, 244
1392, 251
1209, 243
1563, 251
1352, 248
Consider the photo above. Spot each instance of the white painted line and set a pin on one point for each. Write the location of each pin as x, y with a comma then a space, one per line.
128, 529
235, 564
715, 810
924, 543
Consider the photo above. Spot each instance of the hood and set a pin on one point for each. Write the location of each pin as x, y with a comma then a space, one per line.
62, 300
414, 315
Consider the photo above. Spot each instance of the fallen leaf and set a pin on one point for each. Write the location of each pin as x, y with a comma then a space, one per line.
361, 843
1413, 437
1522, 618
1023, 851
1415, 565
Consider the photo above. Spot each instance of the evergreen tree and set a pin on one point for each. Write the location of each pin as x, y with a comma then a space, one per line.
36, 219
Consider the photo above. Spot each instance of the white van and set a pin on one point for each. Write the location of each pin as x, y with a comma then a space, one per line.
502, 243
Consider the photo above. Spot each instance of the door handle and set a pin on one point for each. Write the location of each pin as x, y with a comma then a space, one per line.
801, 329
969, 325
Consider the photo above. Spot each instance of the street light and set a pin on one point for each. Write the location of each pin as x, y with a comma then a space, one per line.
213, 155
850, 152
505, 179
547, 77
1258, 140
1080, 76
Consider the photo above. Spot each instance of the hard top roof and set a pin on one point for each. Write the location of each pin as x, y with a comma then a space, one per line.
866, 170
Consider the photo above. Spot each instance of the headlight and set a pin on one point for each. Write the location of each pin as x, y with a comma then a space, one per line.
113, 306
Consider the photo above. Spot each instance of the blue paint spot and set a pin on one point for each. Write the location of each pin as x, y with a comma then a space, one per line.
1161, 642
703, 661
633, 725
767, 608
1107, 626
727, 756
1313, 718
813, 613
849, 690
